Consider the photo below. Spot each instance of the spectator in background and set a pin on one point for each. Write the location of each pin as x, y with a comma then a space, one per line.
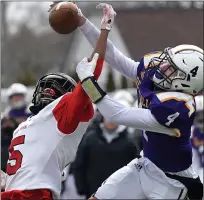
197, 138
105, 148
16, 113
8, 125
136, 134
18, 108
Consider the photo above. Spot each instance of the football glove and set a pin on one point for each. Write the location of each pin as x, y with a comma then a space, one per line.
85, 68
108, 16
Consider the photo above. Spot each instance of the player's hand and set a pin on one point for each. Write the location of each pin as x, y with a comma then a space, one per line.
108, 16
85, 68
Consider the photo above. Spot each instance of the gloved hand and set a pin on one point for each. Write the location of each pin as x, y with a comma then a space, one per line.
108, 16
85, 68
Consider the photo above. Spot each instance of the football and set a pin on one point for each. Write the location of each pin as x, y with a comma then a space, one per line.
63, 17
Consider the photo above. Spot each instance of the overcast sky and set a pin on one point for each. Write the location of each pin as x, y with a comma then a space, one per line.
28, 12
25, 12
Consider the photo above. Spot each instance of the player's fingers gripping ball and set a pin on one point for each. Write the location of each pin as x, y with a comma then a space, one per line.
64, 17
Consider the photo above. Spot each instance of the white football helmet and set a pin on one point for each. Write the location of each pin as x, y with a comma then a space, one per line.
178, 69
17, 89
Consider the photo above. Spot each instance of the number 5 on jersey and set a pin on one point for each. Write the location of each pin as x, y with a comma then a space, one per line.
171, 118
15, 155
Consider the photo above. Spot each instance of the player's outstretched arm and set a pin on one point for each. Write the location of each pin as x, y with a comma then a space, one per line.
78, 101
115, 112
138, 118
114, 57
75, 102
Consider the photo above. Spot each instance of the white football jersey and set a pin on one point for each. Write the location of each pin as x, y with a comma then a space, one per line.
39, 151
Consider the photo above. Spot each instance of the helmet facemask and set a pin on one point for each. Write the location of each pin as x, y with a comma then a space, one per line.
163, 72
185, 72
50, 89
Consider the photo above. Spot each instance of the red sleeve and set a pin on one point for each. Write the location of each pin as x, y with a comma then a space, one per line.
75, 107
98, 69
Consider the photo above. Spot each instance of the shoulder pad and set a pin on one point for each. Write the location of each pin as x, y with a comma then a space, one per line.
147, 57
173, 109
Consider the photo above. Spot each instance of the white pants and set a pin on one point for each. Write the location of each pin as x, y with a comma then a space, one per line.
140, 179
196, 165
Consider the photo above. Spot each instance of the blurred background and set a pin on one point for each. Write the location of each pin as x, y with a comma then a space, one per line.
30, 48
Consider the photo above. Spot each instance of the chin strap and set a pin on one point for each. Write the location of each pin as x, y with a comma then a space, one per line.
34, 109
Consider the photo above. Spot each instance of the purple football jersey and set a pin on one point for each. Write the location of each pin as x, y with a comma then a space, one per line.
173, 110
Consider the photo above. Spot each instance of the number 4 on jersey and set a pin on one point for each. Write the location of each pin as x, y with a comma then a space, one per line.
171, 118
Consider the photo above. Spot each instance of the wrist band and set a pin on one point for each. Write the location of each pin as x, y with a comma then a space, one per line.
92, 89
